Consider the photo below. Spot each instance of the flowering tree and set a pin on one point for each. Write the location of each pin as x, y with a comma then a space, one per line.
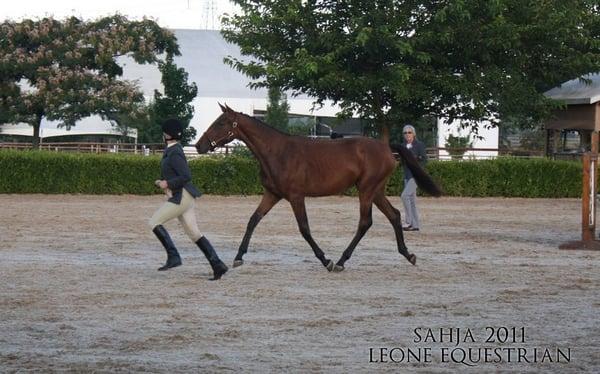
66, 70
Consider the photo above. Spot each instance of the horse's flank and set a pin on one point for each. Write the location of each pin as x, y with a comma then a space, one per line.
295, 165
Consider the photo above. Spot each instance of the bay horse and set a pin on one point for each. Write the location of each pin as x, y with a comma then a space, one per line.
294, 167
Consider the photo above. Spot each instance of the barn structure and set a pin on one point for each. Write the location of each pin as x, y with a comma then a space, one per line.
571, 130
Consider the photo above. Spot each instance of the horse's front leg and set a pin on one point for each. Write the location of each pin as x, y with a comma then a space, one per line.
300, 212
364, 224
268, 201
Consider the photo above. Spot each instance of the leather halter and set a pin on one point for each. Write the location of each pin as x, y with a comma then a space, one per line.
213, 143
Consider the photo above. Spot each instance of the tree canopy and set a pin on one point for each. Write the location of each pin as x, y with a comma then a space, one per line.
394, 61
174, 102
67, 70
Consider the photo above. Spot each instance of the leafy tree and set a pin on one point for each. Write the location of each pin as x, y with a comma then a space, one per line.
456, 145
173, 103
277, 109
149, 130
124, 122
66, 70
394, 61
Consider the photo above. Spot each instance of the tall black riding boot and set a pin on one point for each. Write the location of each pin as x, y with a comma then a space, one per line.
219, 268
173, 259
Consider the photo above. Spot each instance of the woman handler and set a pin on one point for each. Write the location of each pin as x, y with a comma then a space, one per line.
176, 183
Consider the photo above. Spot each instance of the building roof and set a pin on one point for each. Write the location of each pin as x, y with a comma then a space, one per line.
202, 53
93, 125
578, 91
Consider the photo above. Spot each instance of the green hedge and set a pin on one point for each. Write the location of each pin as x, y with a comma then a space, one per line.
509, 177
49, 172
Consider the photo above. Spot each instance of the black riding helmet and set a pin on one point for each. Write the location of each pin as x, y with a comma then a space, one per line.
173, 127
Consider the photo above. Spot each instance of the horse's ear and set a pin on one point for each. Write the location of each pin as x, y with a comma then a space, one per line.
223, 109
228, 108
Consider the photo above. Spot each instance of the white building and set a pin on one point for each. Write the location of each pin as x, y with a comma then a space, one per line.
202, 53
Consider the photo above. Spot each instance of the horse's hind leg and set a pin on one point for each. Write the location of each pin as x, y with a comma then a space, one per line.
395, 219
300, 213
365, 222
268, 201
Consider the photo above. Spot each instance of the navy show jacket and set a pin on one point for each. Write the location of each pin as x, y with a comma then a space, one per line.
175, 170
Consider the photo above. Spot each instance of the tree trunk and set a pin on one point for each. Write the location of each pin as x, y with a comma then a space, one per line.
36, 132
385, 132
380, 118
384, 128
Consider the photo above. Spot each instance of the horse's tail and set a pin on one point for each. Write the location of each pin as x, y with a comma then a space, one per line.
424, 180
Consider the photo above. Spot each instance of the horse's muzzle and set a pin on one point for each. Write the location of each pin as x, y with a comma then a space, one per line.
202, 147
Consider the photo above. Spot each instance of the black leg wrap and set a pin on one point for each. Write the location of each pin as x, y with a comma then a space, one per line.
173, 259
219, 268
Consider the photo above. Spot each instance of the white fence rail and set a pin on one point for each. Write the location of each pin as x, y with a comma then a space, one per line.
440, 153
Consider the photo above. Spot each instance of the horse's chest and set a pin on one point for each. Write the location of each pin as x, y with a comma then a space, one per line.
269, 183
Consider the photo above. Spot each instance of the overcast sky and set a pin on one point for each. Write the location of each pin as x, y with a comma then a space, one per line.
175, 14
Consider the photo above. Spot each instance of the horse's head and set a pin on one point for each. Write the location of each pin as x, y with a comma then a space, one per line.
222, 131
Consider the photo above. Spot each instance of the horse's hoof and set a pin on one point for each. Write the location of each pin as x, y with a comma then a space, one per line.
412, 259
330, 265
237, 263
338, 268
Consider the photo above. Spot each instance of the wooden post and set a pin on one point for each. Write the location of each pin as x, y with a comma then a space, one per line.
594, 142
588, 197
588, 203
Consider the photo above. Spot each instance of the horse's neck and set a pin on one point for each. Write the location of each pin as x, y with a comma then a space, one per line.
262, 141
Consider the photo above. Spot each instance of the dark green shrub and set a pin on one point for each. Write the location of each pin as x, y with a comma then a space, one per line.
49, 172
508, 177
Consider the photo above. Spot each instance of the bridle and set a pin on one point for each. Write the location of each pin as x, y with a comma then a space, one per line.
230, 134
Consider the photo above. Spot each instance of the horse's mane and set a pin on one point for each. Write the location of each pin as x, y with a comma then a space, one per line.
299, 137
263, 123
